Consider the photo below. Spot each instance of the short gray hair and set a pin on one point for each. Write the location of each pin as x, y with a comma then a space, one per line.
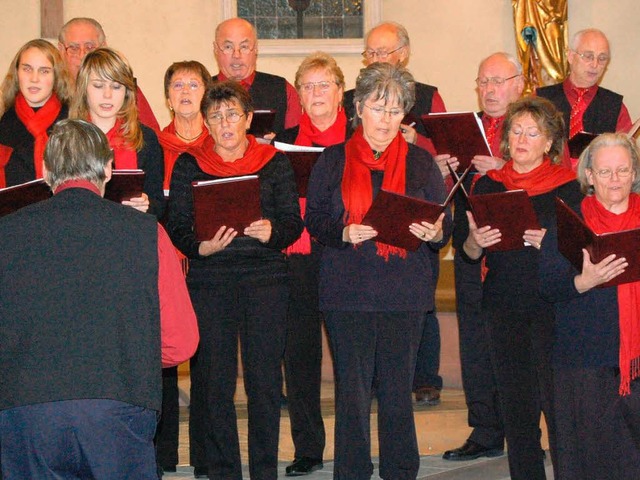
401, 33
602, 141
577, 37
76, 150
102, 38
384, 81
508, 57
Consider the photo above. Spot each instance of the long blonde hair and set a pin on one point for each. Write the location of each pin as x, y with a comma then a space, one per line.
61, 83
108, 64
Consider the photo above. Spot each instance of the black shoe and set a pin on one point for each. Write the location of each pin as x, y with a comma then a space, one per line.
200, 472
472, 450
303, 466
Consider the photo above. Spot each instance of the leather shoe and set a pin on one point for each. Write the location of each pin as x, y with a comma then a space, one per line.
303, 466
200, 472
472, 450
427, 395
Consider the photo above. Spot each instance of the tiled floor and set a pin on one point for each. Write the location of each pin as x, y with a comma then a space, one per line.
438, 428
431, 467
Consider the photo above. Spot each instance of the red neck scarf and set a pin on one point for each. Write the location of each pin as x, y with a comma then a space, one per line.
173, 146
600, 220
357, 191
5, 155
37, 124
309, 134
541, 179
255, 157
124, 157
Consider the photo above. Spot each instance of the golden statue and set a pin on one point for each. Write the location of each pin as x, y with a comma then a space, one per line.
541, 38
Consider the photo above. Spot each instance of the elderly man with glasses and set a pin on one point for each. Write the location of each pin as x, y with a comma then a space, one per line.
82, 35
236, 51
585, 105
499, 83
388, 42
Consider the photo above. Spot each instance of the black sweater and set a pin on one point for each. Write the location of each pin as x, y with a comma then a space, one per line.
245, 259
14, 134
357, 279
512, 279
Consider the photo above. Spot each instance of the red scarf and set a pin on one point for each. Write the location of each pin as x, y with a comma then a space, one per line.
5, 156
309, 135
541, 179
173, 146
600, 220
124, 157
37, 124
255, 157
357, 191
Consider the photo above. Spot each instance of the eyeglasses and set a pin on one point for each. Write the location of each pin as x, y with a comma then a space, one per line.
75, 49
310, 86
229, 49
179, 85
622, 172
589, 57
380, 111
495, 81
381, 54
230, 116
530, 133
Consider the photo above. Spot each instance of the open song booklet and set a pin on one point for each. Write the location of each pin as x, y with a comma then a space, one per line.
391, 214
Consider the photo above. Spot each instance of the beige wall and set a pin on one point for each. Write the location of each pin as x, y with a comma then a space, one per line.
448, 38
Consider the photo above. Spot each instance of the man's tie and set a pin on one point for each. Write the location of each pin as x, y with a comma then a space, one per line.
577, 112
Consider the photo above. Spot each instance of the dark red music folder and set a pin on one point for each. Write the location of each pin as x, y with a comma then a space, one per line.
262, 122
18, 196
233, 202
458, 134
511, 212
579, 142
574, 235
302, 164
391, 214
124, 185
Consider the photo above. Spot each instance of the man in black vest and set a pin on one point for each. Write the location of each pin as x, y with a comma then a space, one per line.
93, 304
236, 52
499, 83
585, 105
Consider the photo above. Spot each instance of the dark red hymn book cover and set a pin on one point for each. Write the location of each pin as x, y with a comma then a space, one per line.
574, 235
262, 122
511, 212
233, 202
124, 185
18, 196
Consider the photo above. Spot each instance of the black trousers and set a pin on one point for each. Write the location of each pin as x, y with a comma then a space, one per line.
594, 439
384, 344
169, 424
522, 342
303, 357
428, 360
478, 378
257, 313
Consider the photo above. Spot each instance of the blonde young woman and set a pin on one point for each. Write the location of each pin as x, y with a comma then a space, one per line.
35, 92
105, 95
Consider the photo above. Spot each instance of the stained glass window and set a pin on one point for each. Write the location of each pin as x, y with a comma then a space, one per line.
304, 19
